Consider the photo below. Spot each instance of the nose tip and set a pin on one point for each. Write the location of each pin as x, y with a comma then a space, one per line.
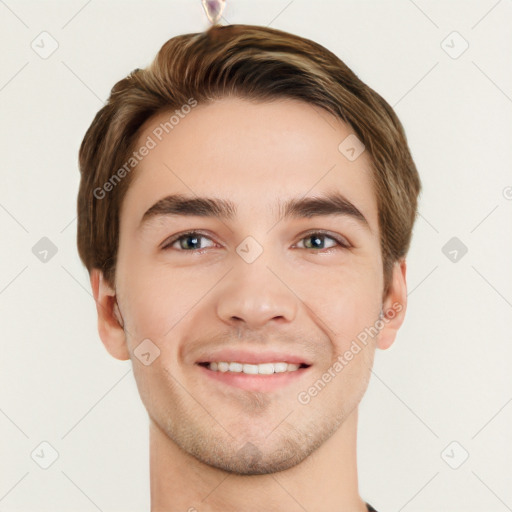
253, 306
242, 324
255, 316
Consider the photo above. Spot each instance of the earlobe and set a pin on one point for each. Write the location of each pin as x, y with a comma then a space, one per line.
395, 305
110, 321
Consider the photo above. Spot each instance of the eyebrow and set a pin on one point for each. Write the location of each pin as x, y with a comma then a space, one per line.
330, 204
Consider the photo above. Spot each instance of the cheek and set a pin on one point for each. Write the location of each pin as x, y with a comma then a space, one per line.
345, 301
161, 299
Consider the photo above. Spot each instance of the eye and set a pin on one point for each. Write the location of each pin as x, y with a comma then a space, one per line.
190, 241
191, 238
318, 238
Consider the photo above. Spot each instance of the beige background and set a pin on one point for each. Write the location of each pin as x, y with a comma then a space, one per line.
446, 379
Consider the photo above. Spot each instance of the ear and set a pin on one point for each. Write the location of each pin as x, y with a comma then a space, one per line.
110, 322
394, 306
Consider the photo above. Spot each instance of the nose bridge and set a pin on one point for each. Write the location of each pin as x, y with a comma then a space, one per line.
253, 292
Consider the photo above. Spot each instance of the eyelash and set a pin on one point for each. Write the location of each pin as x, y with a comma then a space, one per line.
341, 243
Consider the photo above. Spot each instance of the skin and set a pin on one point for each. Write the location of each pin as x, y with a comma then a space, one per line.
295, 296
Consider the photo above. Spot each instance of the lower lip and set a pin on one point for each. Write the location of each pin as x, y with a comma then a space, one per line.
251, 382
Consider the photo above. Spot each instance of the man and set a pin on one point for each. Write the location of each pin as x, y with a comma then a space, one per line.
245, 208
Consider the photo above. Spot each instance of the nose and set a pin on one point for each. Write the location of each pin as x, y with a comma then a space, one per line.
252, 295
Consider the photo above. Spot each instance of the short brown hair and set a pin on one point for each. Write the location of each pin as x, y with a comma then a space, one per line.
256, 63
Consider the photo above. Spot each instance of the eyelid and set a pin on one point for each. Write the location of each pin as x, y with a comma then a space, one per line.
173, 239
343, 242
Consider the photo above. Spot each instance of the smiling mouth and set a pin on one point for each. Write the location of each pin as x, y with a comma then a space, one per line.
262, 377
252, 369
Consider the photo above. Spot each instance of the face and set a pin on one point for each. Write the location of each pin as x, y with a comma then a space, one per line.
249, 284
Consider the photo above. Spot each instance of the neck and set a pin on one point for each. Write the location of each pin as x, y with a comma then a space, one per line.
326, 481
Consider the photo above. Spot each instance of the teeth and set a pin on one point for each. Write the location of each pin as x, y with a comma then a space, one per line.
254, 369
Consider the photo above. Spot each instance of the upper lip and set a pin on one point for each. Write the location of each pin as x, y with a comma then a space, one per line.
244, 356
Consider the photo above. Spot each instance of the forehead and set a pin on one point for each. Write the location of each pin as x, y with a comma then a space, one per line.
254, 154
